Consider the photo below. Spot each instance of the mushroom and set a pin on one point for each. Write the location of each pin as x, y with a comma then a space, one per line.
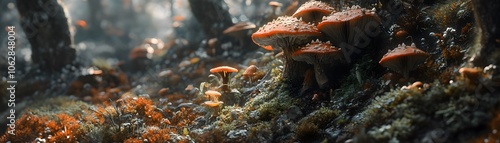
346, 26
240, 30
288, 33
140, 58
322, 55
213, 104
313, 11
224, 72
213, 95
275, 5
249, 72
472, 74
404, 59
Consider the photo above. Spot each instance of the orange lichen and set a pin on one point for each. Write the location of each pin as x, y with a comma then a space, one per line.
156, 135
64, 128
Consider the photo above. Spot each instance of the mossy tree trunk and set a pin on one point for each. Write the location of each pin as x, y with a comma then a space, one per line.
488, 23
46, 27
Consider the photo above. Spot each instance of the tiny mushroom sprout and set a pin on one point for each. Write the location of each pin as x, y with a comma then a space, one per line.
313, 11
213, 95
224, 72
404, 59
288, 33
323, 56
351, 26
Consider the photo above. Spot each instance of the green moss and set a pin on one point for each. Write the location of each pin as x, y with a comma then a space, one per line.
408, 114
307, 132
274, 107
61, 104
320, 117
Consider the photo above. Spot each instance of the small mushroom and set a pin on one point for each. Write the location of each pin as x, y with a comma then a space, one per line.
322, 55
313, 11
213, 95
213, 104
472, 74
224, 72
288, 33
240, 30
404, 59
250, 72
275, 6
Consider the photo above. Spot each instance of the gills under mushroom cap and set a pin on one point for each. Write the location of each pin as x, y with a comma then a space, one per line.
322, 55
317, 52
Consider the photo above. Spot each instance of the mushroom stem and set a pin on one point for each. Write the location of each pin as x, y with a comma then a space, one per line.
225, 81
309, 82
320, 74
294, 70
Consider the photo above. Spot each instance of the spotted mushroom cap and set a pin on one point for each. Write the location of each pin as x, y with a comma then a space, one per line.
403, 58
318, 52
226, 69
281, 31
341, 26
313, 11
239, 29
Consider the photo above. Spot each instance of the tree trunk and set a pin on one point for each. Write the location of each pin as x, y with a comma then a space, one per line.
47, 30
212, 15
488, 23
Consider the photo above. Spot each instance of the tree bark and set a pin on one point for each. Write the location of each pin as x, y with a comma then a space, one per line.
212, 15
488, 23
46, 27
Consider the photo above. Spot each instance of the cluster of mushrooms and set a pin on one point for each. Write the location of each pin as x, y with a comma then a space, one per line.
318, 38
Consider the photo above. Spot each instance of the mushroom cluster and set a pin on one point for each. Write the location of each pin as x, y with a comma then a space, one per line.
303, 39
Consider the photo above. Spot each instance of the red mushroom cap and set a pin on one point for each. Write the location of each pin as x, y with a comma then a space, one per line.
404, 59
279, 32
317, 52
355, 18
313, 11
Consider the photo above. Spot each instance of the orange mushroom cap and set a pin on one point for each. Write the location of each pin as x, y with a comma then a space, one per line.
250, 70
268, 47
313, 11
213, 104
225, 69
276, 32
403, 59
213, 93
